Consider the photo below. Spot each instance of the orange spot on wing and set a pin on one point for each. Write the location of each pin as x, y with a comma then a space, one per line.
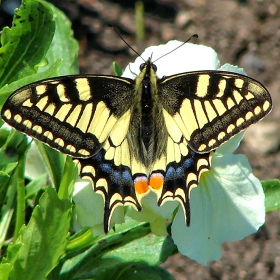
156, 181
141, 185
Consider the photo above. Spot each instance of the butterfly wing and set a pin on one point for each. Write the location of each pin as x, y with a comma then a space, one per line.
201, 111
73, 114
210, 107
177, 172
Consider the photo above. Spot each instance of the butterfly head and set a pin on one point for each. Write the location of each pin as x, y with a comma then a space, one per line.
148, 66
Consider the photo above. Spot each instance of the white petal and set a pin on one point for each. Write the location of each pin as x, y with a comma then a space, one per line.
230, 146
89, 208
228, 205
232, 68
35, 165
155, 215
189, 57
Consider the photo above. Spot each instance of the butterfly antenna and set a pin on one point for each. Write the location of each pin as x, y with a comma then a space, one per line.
125, 41
193, 36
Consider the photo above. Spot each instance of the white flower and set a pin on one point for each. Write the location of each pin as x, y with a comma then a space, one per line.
228, 203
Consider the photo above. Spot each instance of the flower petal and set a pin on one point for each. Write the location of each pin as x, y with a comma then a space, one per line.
230, 146
89, 209
190, 57
152, 213
232, 68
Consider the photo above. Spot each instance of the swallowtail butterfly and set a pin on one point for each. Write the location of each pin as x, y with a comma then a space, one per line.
132, 136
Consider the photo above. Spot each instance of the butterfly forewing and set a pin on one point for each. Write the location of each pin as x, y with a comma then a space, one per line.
210, 107
73, 114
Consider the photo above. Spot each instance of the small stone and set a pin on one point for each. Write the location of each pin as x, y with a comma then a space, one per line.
183, 19
262, 137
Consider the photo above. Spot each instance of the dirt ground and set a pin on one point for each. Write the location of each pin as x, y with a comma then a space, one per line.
245, 33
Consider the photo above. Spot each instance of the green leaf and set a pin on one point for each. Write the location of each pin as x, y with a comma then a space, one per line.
54, 162
11, 180
14, 148
43, 240
62, 55
135, 271
8, 263
272, 194
5, 176
66, 47
129, 243
4, 133
80, 239
70, 174
85, 261
7, 196
148, 249
25, 44
117, 69
35, 185
20, 187
63, 45
6, 90
10, 153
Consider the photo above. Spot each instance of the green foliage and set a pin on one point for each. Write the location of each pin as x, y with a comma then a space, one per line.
113, 252
26, 42
37, 213
272, 194
117, 69
43, 240
64, 46
139, 18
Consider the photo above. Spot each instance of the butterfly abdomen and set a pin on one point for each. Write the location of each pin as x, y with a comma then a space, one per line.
147, 121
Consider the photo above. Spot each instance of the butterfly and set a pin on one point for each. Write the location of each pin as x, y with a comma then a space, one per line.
129, 137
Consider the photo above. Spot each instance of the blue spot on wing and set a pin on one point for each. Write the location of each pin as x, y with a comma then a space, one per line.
187, 163
170, 172
105, 167
126, 176
180, 172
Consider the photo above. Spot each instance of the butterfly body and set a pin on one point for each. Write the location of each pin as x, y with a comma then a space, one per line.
132, 136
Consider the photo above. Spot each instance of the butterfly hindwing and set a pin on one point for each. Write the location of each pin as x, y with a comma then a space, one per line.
177, 172
210, 107
116, 175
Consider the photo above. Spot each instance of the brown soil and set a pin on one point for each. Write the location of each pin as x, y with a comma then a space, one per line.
246, 33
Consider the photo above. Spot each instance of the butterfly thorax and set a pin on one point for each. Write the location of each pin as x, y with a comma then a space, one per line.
147, 119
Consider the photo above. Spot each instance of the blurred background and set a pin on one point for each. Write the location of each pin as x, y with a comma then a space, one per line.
244, 33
